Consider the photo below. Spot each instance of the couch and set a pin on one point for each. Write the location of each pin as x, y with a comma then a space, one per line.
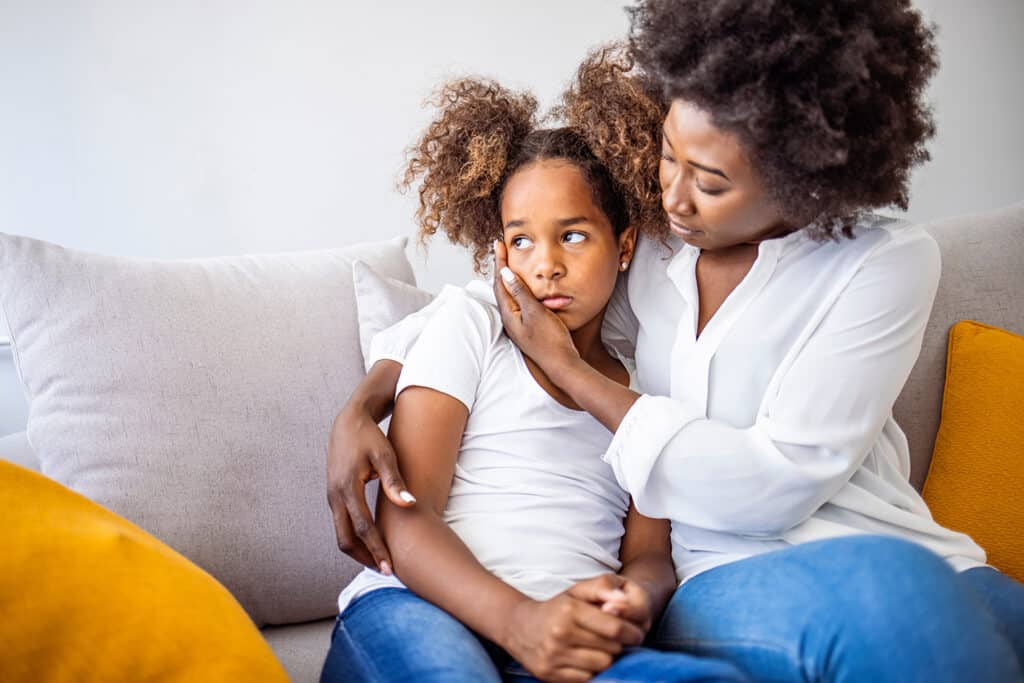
982, 279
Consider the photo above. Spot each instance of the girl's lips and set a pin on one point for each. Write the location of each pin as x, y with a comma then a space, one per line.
556, 302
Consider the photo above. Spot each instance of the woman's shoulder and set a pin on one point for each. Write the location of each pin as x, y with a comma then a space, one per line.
900, 241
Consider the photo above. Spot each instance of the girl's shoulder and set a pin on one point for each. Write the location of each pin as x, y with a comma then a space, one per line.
468, 310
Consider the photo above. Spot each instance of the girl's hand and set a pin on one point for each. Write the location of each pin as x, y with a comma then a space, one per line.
566, 639
538, 332
619, 596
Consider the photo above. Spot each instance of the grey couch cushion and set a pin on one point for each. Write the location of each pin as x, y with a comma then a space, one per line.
301, 648
195, 398
983, 280
15, 448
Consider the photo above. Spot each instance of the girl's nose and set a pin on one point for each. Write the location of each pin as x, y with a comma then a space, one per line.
547, 265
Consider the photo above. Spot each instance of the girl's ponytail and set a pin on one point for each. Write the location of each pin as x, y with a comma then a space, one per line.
462, 158
619, 115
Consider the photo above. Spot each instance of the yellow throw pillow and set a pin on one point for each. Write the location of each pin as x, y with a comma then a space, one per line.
976, 480
86, 595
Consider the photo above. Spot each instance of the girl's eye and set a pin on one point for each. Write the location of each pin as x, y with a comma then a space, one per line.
521, 242
667, 156
574, 237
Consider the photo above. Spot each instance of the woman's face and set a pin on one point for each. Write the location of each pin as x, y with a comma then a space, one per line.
709, 189
560, 242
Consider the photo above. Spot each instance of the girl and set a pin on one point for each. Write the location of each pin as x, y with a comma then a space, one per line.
522, 551
772, 341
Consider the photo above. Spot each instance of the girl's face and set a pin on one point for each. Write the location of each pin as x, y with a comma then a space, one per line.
711, 193
560, 242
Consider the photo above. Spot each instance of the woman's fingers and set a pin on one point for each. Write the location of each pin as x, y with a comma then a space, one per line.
348, 542
506, 302
366, 531
385, 462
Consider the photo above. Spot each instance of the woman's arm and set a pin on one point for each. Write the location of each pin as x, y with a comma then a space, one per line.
358, 452
821, 415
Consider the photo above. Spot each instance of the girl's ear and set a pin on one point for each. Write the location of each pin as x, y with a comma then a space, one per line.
627, 244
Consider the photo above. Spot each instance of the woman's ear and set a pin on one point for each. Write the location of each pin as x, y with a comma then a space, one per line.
627, 245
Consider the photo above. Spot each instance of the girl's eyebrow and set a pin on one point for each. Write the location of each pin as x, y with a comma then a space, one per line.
707, 169
562, 222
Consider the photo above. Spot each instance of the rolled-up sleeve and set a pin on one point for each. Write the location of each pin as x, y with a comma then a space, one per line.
824, 410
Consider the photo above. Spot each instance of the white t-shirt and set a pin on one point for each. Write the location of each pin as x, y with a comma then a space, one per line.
774, 427
531, 496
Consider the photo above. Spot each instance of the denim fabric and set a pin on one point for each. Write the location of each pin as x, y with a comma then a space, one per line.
392, 635
858, 608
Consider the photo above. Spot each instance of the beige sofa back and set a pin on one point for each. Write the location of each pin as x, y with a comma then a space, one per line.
983, 280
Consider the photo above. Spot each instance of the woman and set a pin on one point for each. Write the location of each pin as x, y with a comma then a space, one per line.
771, 340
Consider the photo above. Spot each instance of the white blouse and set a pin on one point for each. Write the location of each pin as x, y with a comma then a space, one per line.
774, 426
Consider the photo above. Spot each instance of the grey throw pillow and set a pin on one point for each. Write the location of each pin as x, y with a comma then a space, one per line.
195, 398
382, 302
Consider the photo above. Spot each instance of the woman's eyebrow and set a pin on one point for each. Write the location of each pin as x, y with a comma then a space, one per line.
707, 169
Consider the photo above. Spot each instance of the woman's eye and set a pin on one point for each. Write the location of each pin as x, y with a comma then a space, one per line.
574, 237
521, 242
667, 156
714, 192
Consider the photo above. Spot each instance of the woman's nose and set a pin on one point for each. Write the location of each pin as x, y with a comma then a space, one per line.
676, 198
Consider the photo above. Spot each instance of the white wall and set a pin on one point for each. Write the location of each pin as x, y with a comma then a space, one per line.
208, 128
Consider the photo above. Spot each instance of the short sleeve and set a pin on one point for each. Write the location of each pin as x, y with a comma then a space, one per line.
453, 347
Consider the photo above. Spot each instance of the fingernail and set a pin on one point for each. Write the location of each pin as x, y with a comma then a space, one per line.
507, 275
618, 593
407, 497
385, 568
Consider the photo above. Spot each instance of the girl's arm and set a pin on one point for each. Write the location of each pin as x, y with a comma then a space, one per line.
646, 557
647, 579
561, 638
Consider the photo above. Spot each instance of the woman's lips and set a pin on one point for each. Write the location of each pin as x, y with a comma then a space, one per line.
682, 230
556, 302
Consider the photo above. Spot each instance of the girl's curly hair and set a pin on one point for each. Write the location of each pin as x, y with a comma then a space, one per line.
484, 133
826, 96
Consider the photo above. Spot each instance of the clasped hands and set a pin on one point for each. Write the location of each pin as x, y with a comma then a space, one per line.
579, 632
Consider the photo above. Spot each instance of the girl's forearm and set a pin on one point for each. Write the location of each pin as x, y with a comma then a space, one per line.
655, 573
435, 564
604, 398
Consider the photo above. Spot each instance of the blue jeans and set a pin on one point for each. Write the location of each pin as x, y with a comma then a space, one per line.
392, 635
861, 608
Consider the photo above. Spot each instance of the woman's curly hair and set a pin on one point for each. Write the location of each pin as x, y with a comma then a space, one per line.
484, 133
825, 96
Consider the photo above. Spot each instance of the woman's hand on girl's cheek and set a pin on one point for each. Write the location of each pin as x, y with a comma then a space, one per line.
538, 332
